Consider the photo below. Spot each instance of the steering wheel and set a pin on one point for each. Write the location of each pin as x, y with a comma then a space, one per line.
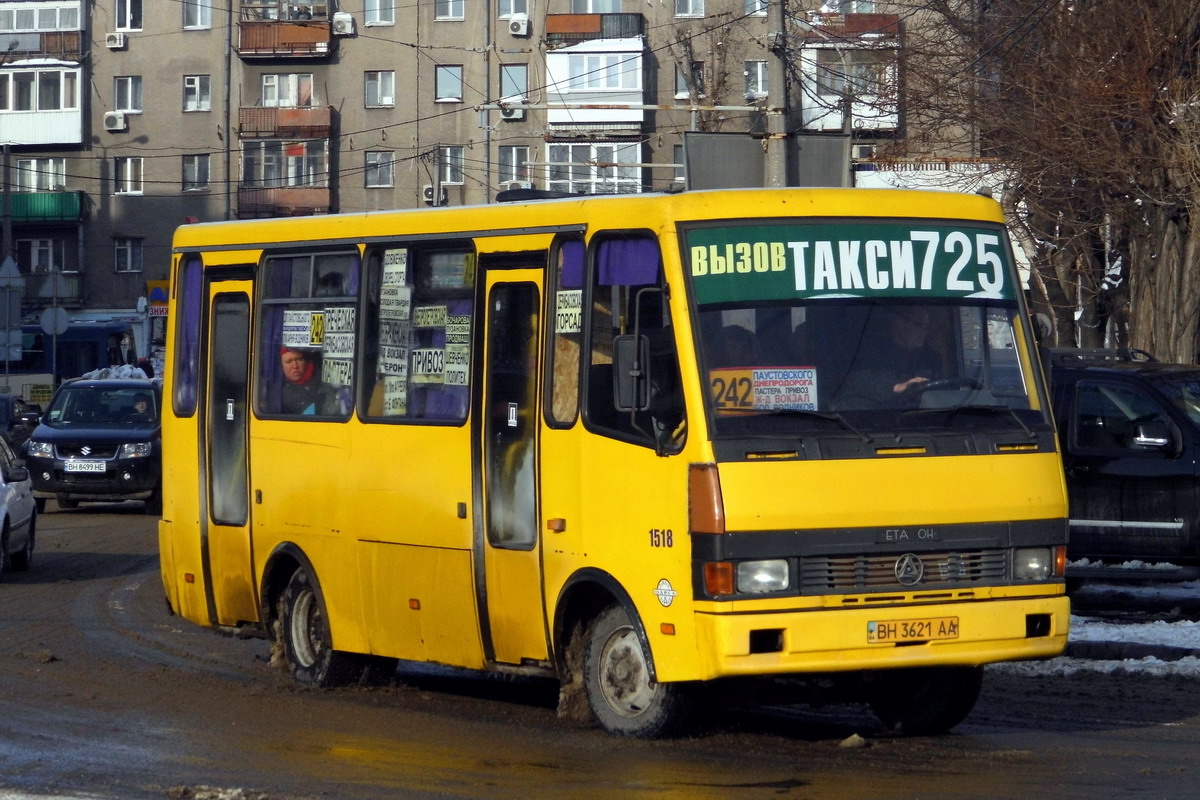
948, 383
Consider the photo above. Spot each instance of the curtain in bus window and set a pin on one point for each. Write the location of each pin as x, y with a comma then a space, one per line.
628, 262
572, 265
188, 302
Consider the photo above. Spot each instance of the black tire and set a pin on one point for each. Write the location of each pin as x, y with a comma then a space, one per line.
919, 702
22, 560
621, 692
307, 644
154, 504
40, 504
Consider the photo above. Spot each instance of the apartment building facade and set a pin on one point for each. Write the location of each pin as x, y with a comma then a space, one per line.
122, 119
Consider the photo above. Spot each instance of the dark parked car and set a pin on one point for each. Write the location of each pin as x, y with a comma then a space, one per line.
18, 419
1130, 432
99, 440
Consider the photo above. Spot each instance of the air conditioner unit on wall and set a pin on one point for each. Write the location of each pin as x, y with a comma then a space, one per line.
343, 24
512, 113
514, 185
428, 196
115, 121
518, 25
115, 41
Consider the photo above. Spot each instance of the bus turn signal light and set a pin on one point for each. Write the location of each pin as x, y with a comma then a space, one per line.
706, 508
718, 578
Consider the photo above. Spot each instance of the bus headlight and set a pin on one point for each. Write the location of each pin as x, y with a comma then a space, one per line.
1033, 563
134, 450
757, 577
41, 449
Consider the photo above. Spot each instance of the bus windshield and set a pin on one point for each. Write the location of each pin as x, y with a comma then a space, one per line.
869, 325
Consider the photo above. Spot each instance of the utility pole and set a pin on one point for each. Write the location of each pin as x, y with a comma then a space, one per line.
775, 166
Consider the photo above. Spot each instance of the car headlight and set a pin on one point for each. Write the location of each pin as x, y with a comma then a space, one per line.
134, 450
757, 577
1033, 563
41, 449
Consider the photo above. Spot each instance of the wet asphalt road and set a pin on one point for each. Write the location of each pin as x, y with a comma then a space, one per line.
105, 695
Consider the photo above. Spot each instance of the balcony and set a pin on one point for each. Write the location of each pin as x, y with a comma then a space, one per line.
284, 38
256, 202
568, 29
40, 288
45, 207
60, 45
285, 123
851, 26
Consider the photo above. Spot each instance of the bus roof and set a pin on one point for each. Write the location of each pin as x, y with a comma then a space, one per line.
593, 211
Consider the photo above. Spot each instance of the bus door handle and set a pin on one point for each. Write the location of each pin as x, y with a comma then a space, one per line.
556, 524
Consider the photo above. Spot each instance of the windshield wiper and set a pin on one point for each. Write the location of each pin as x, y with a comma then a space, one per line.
996, 410
832, 416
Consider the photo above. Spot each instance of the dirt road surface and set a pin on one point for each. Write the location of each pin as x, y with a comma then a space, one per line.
105, 695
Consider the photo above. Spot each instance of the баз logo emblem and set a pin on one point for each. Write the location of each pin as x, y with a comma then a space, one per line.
909, 570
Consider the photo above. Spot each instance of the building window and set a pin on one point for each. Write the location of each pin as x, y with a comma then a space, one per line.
273, 163
380, 169
870, 72
127, 93
197, 14
41, 174
450, 164
381, 89
40, 256
849, 7
195, 172
64, 17
689, 8
196, 96
514, 163
448, 9
288, 90
595, 168
756, 79
680, 170
756, 7
127, 254
514, 80
448, 84
129, 15
508, 8
595, 6
612, 71
380, 12
39, 90
127, 175
683, 90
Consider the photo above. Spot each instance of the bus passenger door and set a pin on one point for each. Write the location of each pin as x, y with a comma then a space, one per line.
225, 528
511, 589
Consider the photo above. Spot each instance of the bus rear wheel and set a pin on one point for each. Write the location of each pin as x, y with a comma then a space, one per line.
925, 701
620, 689
307, 643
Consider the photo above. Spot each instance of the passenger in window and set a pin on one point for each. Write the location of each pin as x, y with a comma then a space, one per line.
330, 285
142, 410
303, 392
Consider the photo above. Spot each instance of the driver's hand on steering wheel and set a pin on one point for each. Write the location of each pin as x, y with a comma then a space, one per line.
904, 386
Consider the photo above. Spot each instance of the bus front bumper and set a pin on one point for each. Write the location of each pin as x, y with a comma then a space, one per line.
839, 640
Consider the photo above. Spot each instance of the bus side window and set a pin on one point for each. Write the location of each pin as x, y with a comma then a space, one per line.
563, 404
628, 296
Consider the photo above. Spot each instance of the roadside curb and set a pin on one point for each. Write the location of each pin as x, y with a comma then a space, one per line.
1121, 651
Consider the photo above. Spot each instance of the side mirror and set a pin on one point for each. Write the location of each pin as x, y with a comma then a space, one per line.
1151, 436
631, 373
30, 418
16, 474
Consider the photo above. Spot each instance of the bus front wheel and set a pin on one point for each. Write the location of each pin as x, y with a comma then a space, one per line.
307, 643
925, 701
621, 691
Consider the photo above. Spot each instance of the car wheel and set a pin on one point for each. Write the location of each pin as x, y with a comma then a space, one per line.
620, 689
925, 701
40, 504
21, 560
154, 504
307, 643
